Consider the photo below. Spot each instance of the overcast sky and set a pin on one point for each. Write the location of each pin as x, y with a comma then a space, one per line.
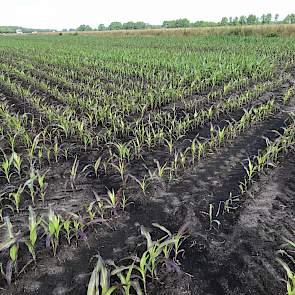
59, 14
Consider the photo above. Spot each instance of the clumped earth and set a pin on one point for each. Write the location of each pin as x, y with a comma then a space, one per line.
223, 254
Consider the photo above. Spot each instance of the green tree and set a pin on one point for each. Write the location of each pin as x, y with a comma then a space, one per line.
182, 23
235, 21
224, 21
266, 18
140, 25
101, 27
269, 18
178, 23
115, 26
290, 19
84, 28
252, 19
243, 20
169, 24
128, 26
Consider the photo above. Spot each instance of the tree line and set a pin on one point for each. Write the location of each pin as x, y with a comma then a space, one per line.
185, 23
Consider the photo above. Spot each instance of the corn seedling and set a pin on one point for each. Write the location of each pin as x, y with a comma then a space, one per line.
90, 210
290, 281
30, 184
95, 167
74, 171
6, 166
250, 170
54, 226
12, 245
143, 184
121, 168
17, 163
67, 227
99, 283
16, 197
212, 219
34, 223
43, 185
34, 146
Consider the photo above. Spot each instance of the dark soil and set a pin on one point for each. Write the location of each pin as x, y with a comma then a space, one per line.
236, 259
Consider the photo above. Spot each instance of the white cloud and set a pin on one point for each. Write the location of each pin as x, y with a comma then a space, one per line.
71, 13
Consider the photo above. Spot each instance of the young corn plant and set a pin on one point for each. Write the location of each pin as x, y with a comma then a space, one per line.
170, 145
159, 173
78, 228
42, 185
123, 151
250, 169
201, 149
212, 218
113, 200
221, 135
33, 148
229, 205
17, 163
54, 226
56, 150
6, 167
30, 184
34, 223
67, 225
124, 201
125, 275
289, 252
16, 197
121, 168
193, 149
183, 157
289, 93
12, 245
143, 184
94, 167
74, 172
155, 249
99, 283
90, 210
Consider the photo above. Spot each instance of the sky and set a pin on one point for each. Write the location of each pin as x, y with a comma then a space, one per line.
60, 14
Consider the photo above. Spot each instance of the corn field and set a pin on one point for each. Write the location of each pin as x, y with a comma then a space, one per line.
147, 164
